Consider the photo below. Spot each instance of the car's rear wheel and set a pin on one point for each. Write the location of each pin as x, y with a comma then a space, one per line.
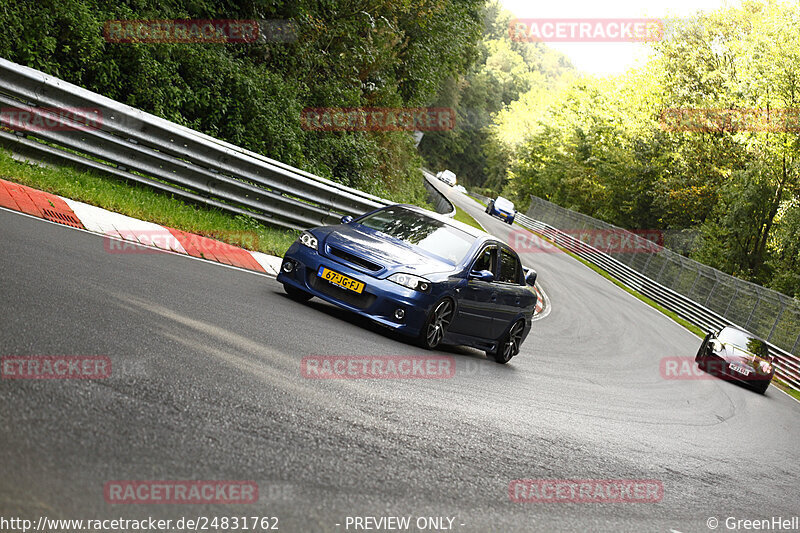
435, 327
509, 344
297, 294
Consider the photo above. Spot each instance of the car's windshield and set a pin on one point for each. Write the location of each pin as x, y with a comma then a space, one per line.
433, 236
743, 340
502, 203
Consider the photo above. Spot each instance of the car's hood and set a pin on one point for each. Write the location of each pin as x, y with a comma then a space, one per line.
391, 254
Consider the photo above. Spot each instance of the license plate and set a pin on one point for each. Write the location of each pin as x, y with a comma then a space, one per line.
740, 369
340, 279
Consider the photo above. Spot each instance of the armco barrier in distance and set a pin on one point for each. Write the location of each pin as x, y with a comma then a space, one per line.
779, 325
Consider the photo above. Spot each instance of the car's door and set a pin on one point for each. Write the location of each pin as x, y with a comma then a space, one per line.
478, 298
512, 295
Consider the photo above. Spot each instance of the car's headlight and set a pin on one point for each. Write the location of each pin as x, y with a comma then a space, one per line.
765, 367
309, 240
411, 281
716, 345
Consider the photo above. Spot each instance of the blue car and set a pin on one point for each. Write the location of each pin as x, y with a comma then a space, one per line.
419, 273
503, 209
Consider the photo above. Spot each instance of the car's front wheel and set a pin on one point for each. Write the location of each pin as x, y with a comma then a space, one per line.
509, 344
435, 327
761, 386
297, 294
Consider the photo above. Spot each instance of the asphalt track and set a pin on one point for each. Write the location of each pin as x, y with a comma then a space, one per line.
206, 385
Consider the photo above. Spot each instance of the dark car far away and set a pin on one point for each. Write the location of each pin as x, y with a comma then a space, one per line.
732, 353
422, 274
502, 208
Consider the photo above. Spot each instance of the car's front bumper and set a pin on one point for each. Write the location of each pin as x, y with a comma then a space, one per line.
501, 214
379, 300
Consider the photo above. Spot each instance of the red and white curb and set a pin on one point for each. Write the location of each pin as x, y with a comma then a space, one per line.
123, 232
542, 304
126, 234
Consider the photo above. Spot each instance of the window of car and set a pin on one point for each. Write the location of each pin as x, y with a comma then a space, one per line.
504, 204
487, 260
433, 236
741, 339
510, 267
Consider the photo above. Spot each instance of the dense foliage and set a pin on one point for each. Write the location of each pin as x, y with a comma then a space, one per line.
506, 73
609, 147
346, 53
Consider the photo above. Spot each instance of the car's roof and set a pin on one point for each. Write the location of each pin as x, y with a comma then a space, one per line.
744, 331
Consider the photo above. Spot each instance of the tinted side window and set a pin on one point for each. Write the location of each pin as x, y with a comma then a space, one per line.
486, 260
509, 268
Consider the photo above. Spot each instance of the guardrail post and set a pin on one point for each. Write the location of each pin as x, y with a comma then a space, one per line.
649, 258
778, 319
693, 283
735, 293
663, 266
752, 311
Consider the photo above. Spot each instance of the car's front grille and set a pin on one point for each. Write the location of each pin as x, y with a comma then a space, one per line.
361, 301
354, 259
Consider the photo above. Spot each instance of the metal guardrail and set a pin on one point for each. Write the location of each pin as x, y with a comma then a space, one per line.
127, 143
442, 204
787, 365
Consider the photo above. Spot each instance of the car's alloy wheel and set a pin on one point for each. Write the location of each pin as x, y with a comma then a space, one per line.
436, 326
297, 294
509, 345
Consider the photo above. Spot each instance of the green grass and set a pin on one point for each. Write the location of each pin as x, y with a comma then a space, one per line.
145, 204
776, 381
462, 216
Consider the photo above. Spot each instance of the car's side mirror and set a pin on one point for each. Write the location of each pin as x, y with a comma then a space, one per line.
482, 275
347, 219
530, 278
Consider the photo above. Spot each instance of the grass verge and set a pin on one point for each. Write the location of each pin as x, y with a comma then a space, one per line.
463, 216
145, 204
786, 388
